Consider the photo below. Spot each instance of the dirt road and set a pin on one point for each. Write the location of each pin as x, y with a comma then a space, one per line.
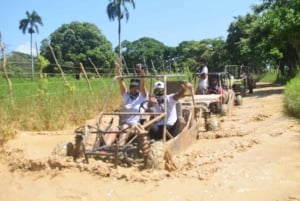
255, 156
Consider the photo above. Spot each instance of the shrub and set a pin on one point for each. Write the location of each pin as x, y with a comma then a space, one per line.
292, 97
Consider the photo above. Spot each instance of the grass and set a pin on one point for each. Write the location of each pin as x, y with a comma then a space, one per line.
291, 91
268, 77
292, 97
52, 103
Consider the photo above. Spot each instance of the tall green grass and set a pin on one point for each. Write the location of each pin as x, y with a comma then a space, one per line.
291, 91
292, 97
52, 103
268, 77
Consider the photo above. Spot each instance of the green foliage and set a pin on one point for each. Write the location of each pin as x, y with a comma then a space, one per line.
77, 43
268, 77
42, 62
147, 51
238, 43
30, 23
292, 97
118, 9
18, 64
280, 25
189, 52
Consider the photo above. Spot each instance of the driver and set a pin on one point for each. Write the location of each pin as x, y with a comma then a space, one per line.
132, 100
215, 88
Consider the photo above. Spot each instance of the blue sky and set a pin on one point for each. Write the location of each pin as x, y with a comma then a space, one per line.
168, 21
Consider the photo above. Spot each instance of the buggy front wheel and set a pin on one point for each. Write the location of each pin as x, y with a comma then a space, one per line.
155, 157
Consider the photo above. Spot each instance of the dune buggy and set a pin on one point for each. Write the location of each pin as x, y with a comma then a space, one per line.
241, 81
227, 95
139, 149
217, 101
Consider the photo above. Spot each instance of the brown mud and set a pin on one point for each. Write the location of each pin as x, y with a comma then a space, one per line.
254, 156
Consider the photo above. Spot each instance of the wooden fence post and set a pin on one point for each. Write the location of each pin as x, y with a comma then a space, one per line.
5, 70
86, 78
95, 68
61, 71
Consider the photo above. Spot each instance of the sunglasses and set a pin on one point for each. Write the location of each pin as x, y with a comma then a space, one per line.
159, 92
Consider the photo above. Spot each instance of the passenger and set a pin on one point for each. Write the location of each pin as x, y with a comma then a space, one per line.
131, 103
215, 88
157, 105
203, 75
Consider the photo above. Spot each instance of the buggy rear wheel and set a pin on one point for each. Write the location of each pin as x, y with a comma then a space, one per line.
239, 100
224, 109
79, 149
251, 89
212, 124
63, 149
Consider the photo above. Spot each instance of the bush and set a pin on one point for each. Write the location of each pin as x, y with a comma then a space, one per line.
292, 97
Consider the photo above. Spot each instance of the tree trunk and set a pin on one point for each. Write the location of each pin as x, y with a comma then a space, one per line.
120, 49
119, 40
32, 66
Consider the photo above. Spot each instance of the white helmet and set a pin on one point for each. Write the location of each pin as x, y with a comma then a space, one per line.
159, 85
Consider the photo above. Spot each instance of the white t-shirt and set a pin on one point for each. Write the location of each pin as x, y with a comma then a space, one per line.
203, 82
132, 105
171, 111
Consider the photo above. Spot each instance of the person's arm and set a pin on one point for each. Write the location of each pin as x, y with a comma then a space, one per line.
142, 80
204, 73
184, 86
121, 80
203, 76
152, 102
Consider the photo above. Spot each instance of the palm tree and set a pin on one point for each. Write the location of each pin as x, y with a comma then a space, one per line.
114, 10
30, 23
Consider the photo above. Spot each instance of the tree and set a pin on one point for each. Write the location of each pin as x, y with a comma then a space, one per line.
237, 31
189, 52
77, 43
145, 50
281, 22
114, 10
18, 64
245, 43
30, 24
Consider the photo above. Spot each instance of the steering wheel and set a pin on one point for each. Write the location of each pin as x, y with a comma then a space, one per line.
144, 106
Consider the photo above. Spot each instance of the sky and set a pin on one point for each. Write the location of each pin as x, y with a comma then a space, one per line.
168, 21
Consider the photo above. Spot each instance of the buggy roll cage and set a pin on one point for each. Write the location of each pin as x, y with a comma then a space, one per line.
168, 90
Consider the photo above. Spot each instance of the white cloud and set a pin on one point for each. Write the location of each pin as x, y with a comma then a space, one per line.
25, 48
